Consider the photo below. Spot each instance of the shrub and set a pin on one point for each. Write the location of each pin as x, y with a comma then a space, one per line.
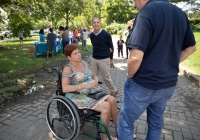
195, 24
116, 28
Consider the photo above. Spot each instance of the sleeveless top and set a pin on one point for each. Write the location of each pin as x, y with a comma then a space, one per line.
80, 98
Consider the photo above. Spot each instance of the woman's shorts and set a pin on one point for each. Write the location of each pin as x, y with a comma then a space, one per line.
20, 38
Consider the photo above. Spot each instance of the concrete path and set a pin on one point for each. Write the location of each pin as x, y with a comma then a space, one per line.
26, 120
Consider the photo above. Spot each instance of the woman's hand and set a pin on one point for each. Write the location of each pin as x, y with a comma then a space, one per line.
91, 84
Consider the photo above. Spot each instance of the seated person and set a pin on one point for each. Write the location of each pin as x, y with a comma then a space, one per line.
77, 76
42, 36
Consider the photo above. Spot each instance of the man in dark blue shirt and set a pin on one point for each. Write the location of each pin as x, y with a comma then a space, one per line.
102, 47
161, 39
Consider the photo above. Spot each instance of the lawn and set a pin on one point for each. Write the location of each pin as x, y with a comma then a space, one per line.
14, 57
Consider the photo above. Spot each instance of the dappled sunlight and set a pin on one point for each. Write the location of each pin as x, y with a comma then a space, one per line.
14, 63
121, 66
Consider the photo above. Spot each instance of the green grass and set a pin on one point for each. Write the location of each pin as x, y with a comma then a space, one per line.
193, 61
14, 57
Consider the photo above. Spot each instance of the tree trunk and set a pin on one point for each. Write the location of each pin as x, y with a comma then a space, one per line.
67, 17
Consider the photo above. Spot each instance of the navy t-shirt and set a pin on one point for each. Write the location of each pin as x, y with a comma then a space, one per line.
161, 30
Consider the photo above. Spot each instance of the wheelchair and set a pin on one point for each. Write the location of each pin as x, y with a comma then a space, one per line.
66, 121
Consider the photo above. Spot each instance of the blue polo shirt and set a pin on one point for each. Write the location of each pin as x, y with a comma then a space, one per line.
161, 30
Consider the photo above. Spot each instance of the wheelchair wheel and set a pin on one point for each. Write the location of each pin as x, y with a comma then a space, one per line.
62, 118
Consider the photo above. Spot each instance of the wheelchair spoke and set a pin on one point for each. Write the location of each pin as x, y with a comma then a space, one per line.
61, 120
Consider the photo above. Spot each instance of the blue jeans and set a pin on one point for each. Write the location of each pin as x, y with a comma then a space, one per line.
84, 44
65, 41
137, 99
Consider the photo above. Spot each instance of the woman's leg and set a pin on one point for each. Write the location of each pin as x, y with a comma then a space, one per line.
105, 109
114, 112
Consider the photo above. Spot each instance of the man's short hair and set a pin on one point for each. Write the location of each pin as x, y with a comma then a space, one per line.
95, 17
51, 30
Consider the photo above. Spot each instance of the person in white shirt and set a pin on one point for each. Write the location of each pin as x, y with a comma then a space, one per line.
84, 38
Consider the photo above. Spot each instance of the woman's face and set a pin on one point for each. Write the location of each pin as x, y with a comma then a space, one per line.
75, 56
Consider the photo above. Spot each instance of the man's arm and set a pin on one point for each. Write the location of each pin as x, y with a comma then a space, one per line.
110, 43
185, 53
134, 61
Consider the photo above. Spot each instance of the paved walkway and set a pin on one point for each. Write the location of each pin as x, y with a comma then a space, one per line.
26, 120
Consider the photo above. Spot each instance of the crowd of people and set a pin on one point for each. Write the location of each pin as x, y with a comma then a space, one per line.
66, 36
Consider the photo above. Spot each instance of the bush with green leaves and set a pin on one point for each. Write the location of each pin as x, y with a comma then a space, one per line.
195, 24
12, 88
116, 28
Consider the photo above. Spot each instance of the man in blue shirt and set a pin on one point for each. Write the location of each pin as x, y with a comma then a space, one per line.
161, 39
102, 47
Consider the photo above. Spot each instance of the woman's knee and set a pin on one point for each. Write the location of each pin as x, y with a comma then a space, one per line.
106, 107
111, 100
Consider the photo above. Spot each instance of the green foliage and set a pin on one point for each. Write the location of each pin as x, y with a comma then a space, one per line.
12, 89
116, 28
19, 20
195, 21
119, 11
8, 92
195, 24
40, 24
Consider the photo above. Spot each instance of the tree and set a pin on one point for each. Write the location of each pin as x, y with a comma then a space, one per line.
120, 11
19, 20
67, 8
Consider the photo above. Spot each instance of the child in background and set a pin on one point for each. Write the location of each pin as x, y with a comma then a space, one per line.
20, 34
120, 46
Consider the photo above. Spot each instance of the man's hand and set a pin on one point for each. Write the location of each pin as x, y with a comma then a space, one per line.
110, 50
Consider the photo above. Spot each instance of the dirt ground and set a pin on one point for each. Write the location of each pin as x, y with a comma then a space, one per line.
44, 79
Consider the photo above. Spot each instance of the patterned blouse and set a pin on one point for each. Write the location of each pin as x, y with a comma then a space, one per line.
80, 98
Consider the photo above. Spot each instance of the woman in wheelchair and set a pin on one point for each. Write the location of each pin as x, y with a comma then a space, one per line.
79, 82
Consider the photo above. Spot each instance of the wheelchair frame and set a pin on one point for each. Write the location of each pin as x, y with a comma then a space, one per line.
71, 118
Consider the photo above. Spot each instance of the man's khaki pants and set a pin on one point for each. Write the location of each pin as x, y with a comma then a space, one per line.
103, 66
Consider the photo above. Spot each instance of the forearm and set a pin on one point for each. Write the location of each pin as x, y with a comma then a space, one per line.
134, 62
187, 52
133, 65
96, 79
72, 88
